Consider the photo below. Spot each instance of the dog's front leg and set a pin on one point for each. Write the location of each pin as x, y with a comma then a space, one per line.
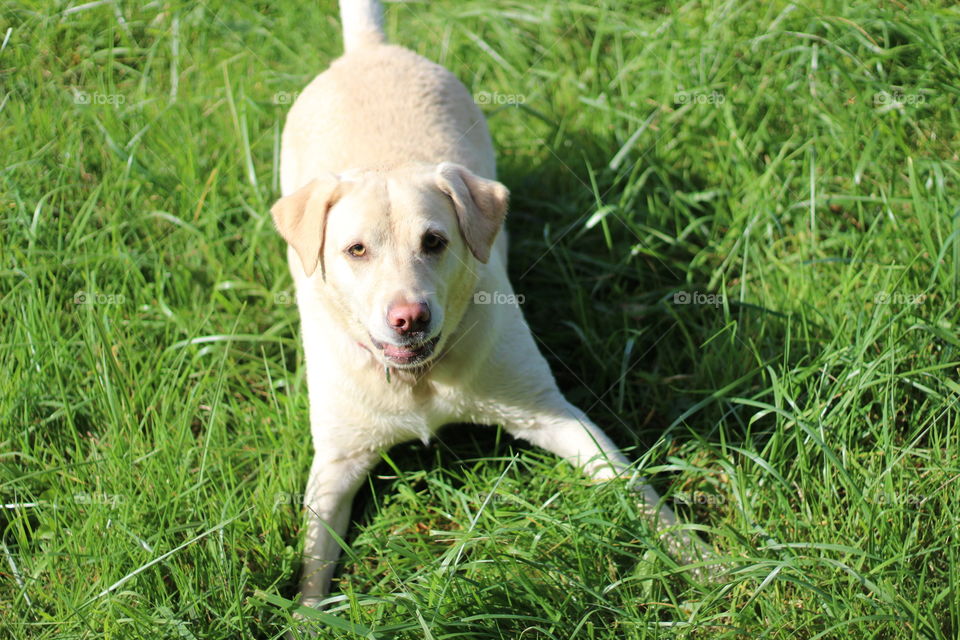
334, 479
559, 427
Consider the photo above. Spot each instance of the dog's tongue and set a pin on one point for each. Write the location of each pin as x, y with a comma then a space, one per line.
394, 351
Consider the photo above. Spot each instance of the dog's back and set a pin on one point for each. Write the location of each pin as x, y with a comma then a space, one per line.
381, 106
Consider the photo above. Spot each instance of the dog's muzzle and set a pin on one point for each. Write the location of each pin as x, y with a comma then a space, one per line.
406, 355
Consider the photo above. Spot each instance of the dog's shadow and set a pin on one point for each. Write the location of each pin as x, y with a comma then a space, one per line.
610, 266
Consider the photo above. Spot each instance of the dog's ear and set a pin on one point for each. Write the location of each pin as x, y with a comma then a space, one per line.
301, 219
481, 206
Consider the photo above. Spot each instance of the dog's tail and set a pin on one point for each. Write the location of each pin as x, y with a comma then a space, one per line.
362, 23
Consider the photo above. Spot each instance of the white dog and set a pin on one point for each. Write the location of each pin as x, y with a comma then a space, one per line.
393, 215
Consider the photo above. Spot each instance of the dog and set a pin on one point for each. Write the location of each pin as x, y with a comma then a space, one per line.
394, 218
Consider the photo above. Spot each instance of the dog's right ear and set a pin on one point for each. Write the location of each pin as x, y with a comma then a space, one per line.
301, 219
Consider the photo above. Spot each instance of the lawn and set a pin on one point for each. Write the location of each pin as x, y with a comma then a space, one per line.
736, 230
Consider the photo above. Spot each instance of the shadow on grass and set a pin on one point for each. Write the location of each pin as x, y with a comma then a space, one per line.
630, 311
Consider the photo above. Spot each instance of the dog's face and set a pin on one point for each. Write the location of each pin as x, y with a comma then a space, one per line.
396, 253
395, 262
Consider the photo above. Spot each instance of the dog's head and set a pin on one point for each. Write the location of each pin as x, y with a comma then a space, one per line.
397, 252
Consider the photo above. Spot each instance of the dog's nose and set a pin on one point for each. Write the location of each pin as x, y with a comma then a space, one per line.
408, 317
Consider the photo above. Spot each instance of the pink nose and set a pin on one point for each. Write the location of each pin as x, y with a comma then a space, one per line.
408, 317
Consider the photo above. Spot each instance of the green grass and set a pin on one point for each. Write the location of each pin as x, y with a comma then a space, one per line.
791, 169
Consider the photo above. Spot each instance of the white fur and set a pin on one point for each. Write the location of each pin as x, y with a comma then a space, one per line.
366, 154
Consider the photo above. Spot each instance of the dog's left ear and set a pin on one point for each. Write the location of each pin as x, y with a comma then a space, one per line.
481, 206
301, 219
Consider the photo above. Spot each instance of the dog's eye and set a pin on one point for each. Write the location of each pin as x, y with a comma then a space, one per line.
357, 250
433, 243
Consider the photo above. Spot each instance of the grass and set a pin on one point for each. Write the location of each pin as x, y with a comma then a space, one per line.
736, 228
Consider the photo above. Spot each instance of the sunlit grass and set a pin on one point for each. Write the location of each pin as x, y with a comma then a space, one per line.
735, 226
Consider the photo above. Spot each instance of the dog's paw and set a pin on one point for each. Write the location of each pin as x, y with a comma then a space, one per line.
304, 626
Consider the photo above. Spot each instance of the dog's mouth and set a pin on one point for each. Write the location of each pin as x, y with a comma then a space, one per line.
406, 355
